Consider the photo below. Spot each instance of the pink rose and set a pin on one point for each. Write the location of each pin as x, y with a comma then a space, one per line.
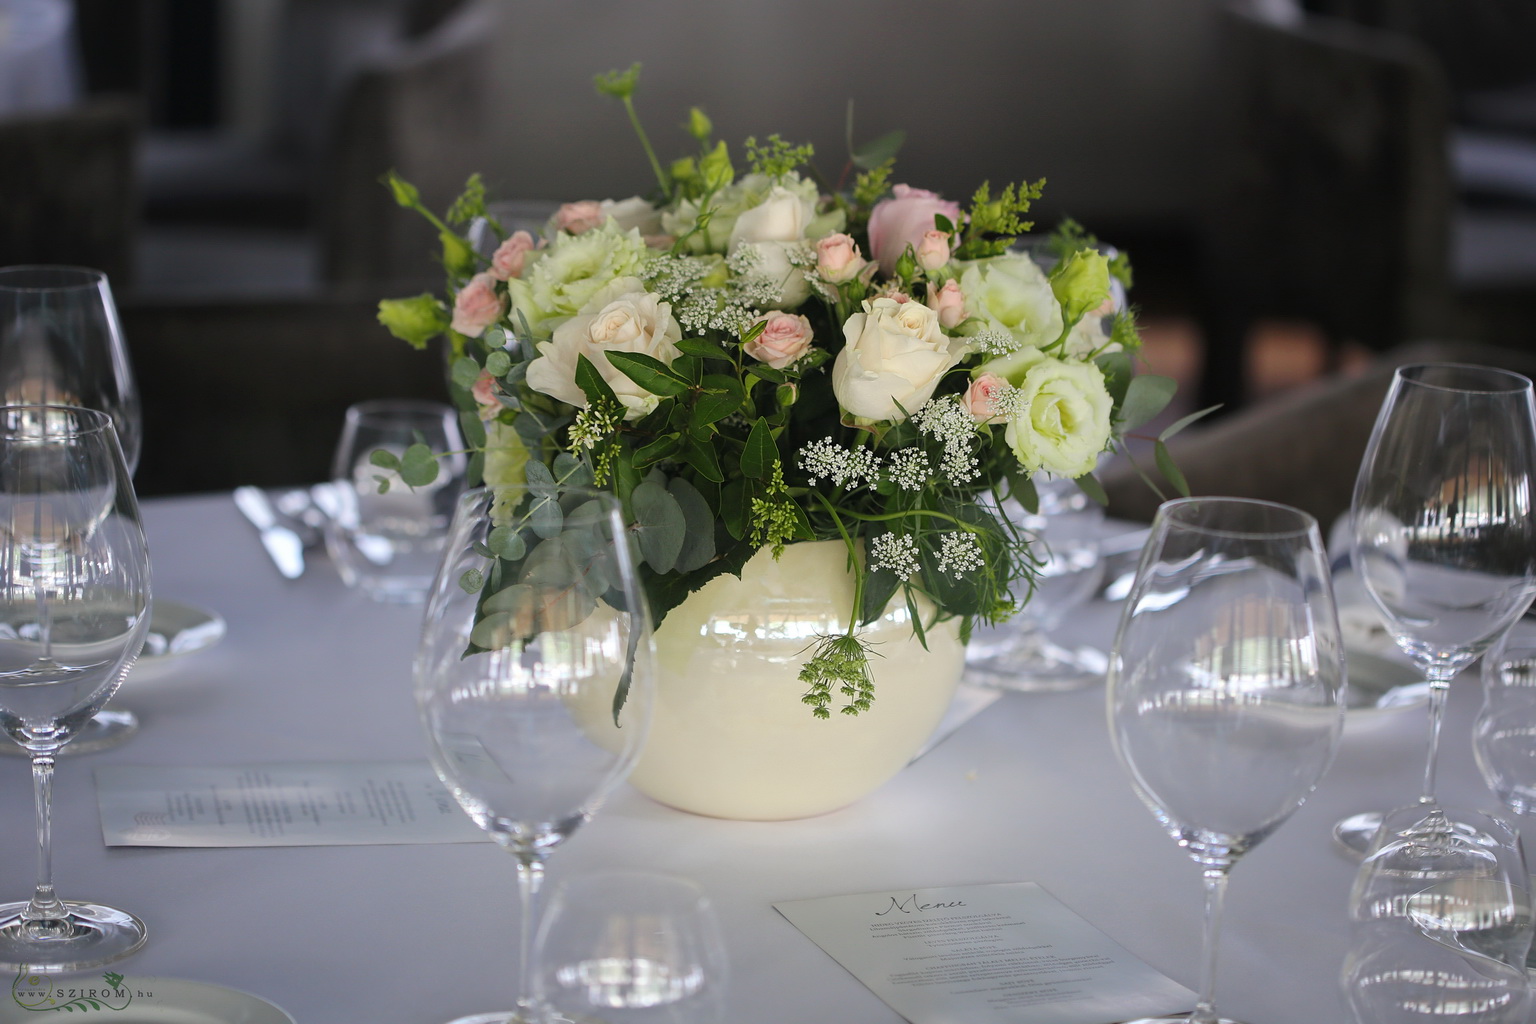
981, 398
785, 338
477, 305
949, 303
576, 218
507, 260
903, 220
838, 258
933, 250
483, 390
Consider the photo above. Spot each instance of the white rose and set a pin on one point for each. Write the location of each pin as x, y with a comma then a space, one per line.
893, 359
622, 317
782, 216
633, 213
1062, 420
1012, 294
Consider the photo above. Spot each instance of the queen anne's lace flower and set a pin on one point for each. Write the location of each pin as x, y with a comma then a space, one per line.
947, 421
828, 460
959, 553
894, 553
908, 468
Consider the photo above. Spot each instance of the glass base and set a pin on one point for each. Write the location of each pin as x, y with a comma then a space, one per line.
107, 729
1031, 663
1181, 1019
90, 936
522, 1017
1355, 834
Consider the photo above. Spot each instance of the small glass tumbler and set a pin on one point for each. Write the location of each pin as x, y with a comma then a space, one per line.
632, 947
1440, 919
386, 537
1504, 738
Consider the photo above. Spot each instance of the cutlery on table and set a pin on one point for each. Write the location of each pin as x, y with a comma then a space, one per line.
283, 545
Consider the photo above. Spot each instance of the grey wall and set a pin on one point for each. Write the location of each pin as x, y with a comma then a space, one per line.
1110, 100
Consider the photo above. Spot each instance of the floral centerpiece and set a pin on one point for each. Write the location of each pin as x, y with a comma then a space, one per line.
751, 357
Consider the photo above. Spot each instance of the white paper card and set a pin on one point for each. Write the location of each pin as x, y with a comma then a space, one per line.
317, 804
984, 954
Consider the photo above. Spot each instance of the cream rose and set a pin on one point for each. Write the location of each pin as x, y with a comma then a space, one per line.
894, 357
635, 212
772, 227
476, 306
1061, 421
785, 337
622, 317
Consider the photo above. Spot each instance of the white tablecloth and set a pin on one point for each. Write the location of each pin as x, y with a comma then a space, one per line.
1029, 790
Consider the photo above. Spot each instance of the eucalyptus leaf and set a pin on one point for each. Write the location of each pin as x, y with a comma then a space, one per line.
418, 467
464, 371
873, 154
471, 580
545, 516
1184, 421
1169, 468
571, 471
540, 480
384, 459
498, 362
662, 526
1145, 397
699, 526
507, 542
1090, 486
492, 631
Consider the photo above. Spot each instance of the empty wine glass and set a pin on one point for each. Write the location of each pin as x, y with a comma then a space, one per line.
534, 676
632, 947
61, 342
1445, 530
1225, 683
74, 608
1019, 654
1504, 738
1440, 925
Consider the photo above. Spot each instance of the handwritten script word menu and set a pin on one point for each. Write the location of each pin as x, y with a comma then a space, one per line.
320, 804
984, 954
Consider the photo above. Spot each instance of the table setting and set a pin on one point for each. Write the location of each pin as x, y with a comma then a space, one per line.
721, 631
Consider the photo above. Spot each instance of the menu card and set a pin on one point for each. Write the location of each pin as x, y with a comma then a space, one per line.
984, 954
317, 804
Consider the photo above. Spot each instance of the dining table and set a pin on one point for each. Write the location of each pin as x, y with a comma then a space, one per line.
1027, 790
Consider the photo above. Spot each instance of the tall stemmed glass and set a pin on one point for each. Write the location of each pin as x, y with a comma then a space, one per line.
61, 343
534, 677
74, 608
1444, 521
1225, 683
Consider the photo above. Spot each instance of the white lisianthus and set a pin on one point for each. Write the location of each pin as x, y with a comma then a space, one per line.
894, 357
622, 317
1088, 337
1012, 294
724, 207
1060, 418
564, 277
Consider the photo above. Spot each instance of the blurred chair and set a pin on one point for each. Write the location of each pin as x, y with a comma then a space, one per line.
424, 111
1334, 196
67, 175
239, 392
1302, 448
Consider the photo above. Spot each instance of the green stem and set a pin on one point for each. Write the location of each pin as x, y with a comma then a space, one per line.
645, 143
853, 560
869, 517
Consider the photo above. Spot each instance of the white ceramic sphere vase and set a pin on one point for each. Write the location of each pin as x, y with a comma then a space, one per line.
731, 738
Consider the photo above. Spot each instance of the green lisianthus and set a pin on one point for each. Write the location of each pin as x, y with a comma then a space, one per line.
1011, 293
565, 276
1081, 283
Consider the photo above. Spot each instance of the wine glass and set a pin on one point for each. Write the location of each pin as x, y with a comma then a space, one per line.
61, 343
74, 608
1225, 683
534, 676
1067, 530
388, 542
1440, 925
1445, 530
1504, 738
632, 947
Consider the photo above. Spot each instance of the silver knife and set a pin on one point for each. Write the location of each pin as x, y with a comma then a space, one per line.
282, 544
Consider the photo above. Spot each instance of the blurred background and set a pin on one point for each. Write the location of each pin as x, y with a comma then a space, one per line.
1307, 187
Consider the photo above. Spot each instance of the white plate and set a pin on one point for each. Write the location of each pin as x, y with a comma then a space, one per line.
1377, 684
176, 629
147, 1001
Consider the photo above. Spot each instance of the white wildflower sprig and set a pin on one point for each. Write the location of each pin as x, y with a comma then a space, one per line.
895, 553
947, 421
959, 553
993, 341
908, 468
827, 460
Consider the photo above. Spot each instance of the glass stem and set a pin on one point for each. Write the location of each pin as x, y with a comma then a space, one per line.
1215, 895
45, 905
530, 878
1438, 688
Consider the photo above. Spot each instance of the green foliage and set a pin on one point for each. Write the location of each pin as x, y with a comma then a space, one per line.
416, 320
838, 663
992, 225
776, 158
470, 203
873, 183
618, 84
